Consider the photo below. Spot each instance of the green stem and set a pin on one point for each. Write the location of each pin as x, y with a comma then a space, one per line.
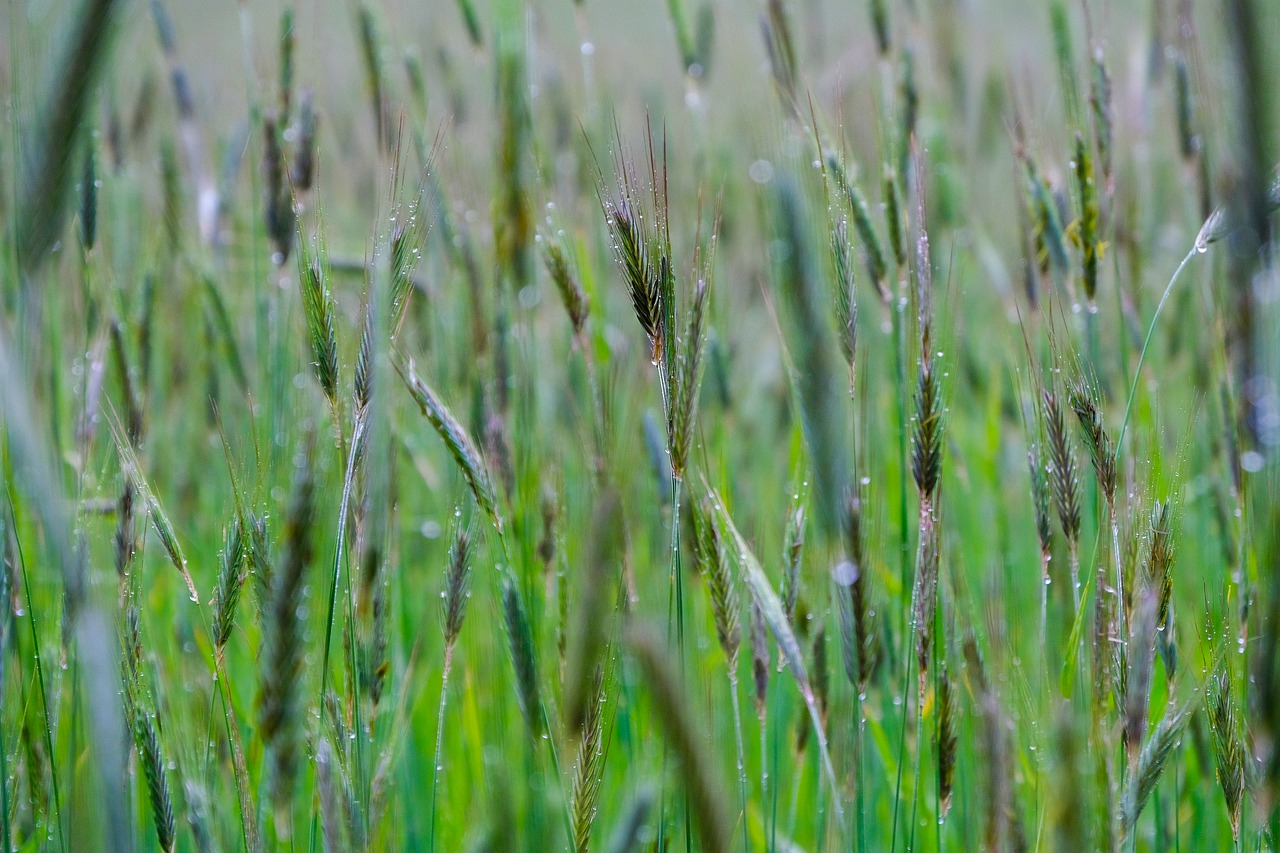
1142, 356
435, 766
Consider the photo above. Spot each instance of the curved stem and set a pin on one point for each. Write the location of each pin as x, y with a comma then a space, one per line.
1142, 356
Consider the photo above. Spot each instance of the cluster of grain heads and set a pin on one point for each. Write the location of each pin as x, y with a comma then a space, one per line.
280, 712
707, 806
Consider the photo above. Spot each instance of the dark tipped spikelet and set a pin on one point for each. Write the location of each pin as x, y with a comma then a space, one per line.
317, 304
1102, 452
89, 196
858, 640
821, 672
555, 256
713, 563
1100, 101
303, 173
759, 658
154, 770
947, 741
926, 597
457, 583
793, 554
1228, 746
231, 577
277, 203
456, 439
880, 25
1063, 479
520, 638
279, 697
287, 42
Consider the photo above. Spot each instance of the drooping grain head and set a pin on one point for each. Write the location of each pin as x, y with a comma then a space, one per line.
555, 257
1084, 402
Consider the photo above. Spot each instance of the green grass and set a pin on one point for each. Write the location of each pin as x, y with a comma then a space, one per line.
426, 405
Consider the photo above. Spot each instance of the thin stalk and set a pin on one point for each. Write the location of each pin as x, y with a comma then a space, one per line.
1142, 356
742, 763
435, 766
244, 802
